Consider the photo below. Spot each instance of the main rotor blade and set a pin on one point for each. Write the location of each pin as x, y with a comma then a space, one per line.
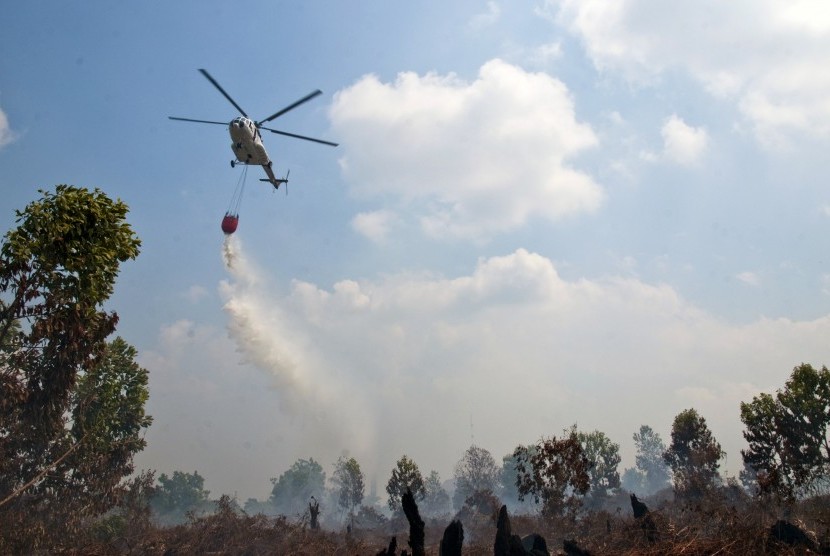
295, 136
198, 121
221, 90
306, 98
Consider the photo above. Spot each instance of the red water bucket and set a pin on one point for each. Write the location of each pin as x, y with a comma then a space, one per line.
229, 223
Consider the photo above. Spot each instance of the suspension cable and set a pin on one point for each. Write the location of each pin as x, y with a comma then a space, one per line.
239, 191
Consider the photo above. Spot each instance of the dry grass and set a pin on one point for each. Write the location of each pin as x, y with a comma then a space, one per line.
714, 526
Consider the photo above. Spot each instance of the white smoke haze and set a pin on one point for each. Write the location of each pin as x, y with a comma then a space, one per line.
404, 363
269, 338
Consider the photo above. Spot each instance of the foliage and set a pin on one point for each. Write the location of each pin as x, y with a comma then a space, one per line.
633, 480
131, 517
604, 457
181, 493
61, 458
405, 475
475, 472
788, 434
436, 499
295, 487
555, 473
693, 455
649, 460
108, 409
348, 481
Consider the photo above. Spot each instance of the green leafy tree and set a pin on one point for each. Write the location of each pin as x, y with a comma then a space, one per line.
436, 499
554, 473
295, 487
508, 477
649, 460
789, 450
108, 409
693, 456
475, 472
180, 493
57, 269
604, 457
349, 485
405, 475
633, 480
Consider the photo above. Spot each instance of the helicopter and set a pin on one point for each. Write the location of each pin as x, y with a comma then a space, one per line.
246, 141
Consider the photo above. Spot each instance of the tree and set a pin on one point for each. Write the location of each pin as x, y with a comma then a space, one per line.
789, 451
348, 482
508, 477
297, 485
475, 472
649, 460
604, 457
57, 268
693, 455
436, 499
633, 480
180, 493
554, 473
405, 475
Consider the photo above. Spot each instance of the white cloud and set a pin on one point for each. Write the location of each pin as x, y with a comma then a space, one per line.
683, 143
769, 56
366, 364
375, 225
6, 133
467, 159
749, 278
545, 54
487, 18
196, 293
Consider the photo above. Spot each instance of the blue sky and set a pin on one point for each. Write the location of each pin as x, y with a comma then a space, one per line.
540, 213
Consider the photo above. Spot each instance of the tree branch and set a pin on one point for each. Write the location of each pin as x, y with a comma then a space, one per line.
40, 475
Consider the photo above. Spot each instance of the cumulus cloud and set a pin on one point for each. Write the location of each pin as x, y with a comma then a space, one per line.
749, 278
468, 159
487, 18
371, 366
6, 133
196, 293
770, 57
375, 225
683, 143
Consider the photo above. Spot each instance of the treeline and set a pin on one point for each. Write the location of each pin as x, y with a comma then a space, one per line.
72, 418
787, 459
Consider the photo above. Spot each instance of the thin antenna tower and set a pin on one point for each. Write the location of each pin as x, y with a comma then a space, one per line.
472, 434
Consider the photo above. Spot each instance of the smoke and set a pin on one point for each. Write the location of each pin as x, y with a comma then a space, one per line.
325, 411
403, 364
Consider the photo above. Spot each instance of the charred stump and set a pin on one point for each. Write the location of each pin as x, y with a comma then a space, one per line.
453, 540
535, 545
416, 524
790, 534
572, 549
391, 549
643, 516
506, 543
640, 509
314, 512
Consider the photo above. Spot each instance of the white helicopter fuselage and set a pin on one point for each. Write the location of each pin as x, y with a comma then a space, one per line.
247, 142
